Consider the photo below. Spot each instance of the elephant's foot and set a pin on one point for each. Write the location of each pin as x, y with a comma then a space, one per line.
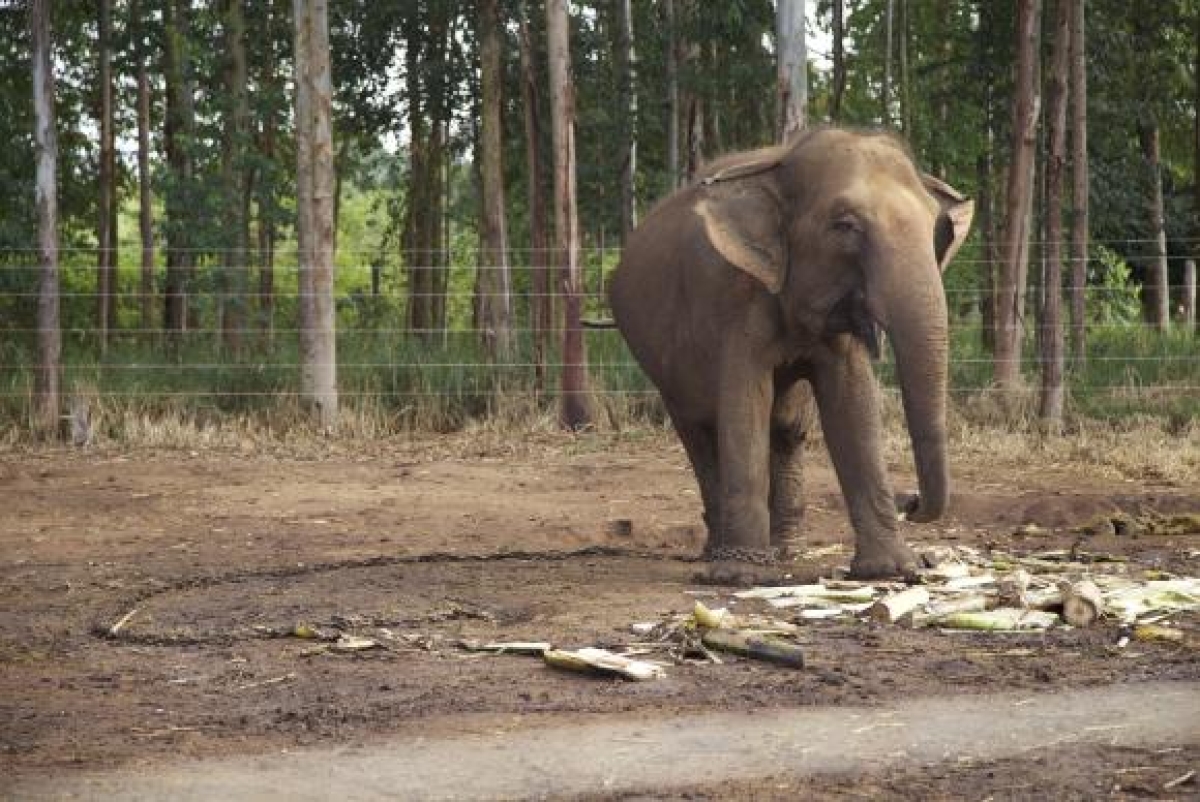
884, 560
742, 567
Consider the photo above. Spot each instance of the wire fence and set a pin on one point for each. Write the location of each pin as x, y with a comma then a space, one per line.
234, 346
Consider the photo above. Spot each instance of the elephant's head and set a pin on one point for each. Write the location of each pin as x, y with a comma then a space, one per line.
849, 235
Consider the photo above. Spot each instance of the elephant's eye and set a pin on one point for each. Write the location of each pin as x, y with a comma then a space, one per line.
846, 224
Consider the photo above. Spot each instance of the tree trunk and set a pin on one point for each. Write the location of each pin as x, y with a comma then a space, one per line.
1195, 141
494, 285
576, 411
426, 65
314, 98
1050, 408
235, 168
541, 307
838, 90
885, 116
985, 166
145, 200
106, 235
1159, 295
1018, 202
626, 65
415, 246
266, 190
905, 99
179, 130
791, 67
1189, 296
673, 111
1079, 183
304, 180
49, 335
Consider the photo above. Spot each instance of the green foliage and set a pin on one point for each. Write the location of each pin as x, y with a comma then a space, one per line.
952, 102
1113, 297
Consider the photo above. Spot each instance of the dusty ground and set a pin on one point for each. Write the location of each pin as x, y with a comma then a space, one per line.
432, 542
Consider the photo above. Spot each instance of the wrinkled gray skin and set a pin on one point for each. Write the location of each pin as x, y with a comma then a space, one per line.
755, 294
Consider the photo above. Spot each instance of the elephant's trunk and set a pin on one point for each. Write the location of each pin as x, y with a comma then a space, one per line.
915, 320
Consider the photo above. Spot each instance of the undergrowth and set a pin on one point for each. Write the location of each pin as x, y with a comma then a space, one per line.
194, 395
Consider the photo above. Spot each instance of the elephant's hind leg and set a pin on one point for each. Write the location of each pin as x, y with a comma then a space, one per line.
791, 418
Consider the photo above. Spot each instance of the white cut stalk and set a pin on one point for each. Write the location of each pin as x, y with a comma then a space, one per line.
1082, 603
892, 607
707, 618
1002, 619
951, 569
354, 643
592, 659
818, 591
822, 613
936, 610
515, 647
1012, 589
966, 584
1043, 598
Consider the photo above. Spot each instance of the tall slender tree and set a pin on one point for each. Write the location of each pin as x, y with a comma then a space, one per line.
1010, 290
49, 369
576, 409
179, 137
792, 68
626, 66
493, 282
235, 170
1050, 407
145, 194
267, 186
1159, 295
885, 96
672, 105
838, 34
541, 287
1079, 183
106, 225
314, 178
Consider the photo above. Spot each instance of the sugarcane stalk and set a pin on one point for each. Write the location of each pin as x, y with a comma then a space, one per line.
888, 609
758, 647
1082, 603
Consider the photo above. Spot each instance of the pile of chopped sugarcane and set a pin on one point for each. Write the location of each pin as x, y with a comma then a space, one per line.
963, 589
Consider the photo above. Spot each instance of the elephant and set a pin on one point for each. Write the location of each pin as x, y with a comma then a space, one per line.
754, 298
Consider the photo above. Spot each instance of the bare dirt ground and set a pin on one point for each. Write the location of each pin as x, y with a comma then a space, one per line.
431, 541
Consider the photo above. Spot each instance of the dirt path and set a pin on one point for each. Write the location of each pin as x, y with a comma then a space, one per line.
623, 757
219, 556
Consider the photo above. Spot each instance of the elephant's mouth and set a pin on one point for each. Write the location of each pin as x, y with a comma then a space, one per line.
851, 316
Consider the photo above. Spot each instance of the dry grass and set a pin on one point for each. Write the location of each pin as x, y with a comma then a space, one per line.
1149, 448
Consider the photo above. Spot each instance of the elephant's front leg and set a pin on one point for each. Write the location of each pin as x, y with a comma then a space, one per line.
847, 399
741, 551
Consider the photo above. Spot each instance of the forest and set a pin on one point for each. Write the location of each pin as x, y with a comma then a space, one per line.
404, 211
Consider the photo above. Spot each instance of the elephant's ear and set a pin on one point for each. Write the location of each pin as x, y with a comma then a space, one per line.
743, 222
954, 221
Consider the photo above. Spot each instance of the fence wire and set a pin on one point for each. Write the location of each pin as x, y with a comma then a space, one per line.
236, 346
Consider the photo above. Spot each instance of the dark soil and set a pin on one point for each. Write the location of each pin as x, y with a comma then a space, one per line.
222, 556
